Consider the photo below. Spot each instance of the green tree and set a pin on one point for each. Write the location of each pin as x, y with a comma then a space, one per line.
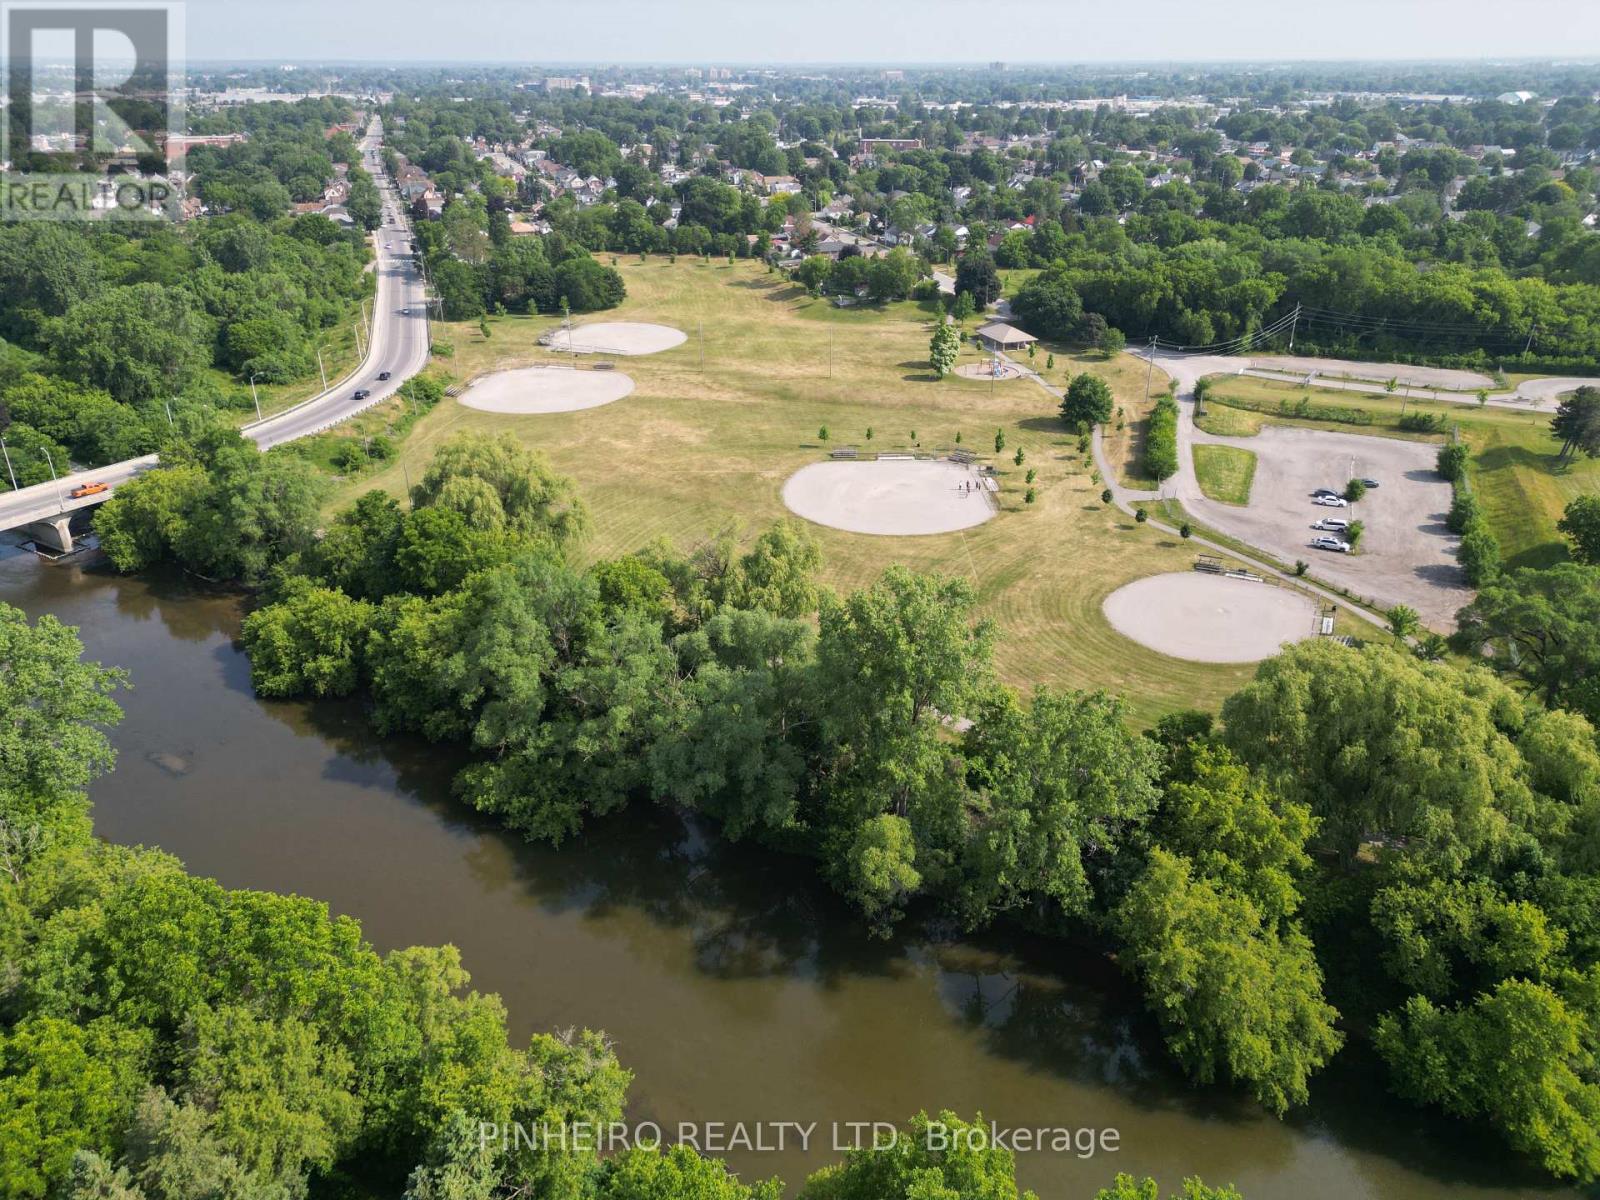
1544, 625
1576, 424
1126, 1187
1452, 461
944, 1157
142, 343
1581, 525
1087, 402
944, 350
307, 644
977, 278
54, 710
1521, 1057
1404, 622
1238, 999
1378, 744
498, 484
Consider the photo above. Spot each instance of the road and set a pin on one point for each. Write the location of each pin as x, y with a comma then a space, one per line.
398, 346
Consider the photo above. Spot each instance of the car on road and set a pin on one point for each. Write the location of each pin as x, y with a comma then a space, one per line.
384, 376
361, 394
1332, 524
1331, 501
1337, 545
405, 312
1369, 483
88, 489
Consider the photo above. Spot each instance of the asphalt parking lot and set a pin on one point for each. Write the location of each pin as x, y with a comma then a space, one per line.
1406, 555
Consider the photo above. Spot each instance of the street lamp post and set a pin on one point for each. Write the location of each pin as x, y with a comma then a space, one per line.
54, 478
9, 469
253, 396
322, 369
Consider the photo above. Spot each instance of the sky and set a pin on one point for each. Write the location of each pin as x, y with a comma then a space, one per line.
888, 31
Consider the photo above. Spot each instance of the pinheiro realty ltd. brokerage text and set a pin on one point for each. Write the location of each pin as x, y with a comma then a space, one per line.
729, 1137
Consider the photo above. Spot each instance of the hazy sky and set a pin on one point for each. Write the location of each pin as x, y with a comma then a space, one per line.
909, 31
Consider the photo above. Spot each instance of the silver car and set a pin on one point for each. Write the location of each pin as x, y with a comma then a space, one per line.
1330, 543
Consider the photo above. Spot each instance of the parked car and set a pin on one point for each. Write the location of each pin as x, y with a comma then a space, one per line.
1330, 543
384, 376
361, 394
1334, 524
1371, 483
88, 489
1323, 492
1331, 501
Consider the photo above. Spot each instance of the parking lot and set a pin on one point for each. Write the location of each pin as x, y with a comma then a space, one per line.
1406, 555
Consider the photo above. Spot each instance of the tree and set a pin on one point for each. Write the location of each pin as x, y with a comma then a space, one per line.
308, 644
1063, 786
1126, 1187
1113, 343
976, 277
812, 273
54, 710
999, 440
1545, 626
1404, 622
63, 1087
142, 343
1581, 525
1354, 532
962, 308
1048, 305
498, 484
1576, 423
1354, 490
587, 285
1522, 1057
1380, 745
1237, 997
1087, 402
944, 1157
944, 350
1478, 554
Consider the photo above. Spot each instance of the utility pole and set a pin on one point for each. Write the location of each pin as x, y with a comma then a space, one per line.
54, 478
322, 369
9, 468
1294, 323
360, 353
1149, 375
253, 396
703, 352
167, 404
1529, 345
365, 319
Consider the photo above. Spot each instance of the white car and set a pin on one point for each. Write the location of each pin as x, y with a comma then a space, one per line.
1332, 524
1330, 543
1331, 501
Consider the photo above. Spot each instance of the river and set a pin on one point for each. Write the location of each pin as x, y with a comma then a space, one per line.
734, 987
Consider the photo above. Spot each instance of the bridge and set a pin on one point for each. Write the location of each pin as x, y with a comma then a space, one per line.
397, 344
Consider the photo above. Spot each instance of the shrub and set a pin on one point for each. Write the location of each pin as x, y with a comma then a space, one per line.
1479, 555
1464, 511
1301, 566
1422, 422
1141, 516
1105, 497
1452, 461
1354, 490
1161, 440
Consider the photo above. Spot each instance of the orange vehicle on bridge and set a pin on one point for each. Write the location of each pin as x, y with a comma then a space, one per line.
88, 489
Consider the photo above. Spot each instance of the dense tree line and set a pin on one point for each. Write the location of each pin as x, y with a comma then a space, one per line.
1260, 877
110, 336
165, 1038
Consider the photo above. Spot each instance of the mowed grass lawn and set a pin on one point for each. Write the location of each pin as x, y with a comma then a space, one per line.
1225, 473
1521, 483
697, 449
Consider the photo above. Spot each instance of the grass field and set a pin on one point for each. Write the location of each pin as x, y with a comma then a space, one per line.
698, 449
1521, 484
1225, 473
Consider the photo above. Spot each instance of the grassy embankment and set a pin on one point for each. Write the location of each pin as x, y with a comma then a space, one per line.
699, 448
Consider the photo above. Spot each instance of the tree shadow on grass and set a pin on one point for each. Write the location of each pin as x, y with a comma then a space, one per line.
924, 377
1050, 424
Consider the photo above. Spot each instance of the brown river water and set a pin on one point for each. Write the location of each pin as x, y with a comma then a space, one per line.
735, 987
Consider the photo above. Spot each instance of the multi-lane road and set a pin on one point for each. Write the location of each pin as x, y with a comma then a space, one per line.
398, 347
